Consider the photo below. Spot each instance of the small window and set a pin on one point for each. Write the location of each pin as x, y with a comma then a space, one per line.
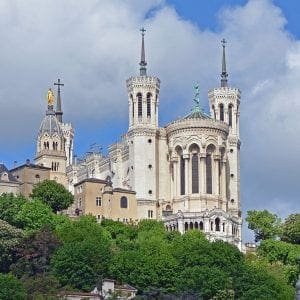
123, 202
150, 166
149, 141
232, 201
98, 201
231, 175
150, 192
150, 214
231, 150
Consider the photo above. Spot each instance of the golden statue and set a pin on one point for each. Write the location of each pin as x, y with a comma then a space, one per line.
50, 97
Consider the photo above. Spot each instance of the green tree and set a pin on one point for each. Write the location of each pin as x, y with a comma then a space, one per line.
10, 206
53, 194
291, 229
265, 224
85, 255
33, 215
10, 237
34, 253
11, 288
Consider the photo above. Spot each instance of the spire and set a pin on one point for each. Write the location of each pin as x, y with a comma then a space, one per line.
224, 74
143, 64
58, 112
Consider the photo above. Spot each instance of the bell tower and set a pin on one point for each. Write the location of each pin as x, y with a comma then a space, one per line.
50, 150
225, 107
143, 101
143, 95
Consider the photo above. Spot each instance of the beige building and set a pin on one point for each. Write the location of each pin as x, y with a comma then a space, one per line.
98, 198
8, 183
28, 175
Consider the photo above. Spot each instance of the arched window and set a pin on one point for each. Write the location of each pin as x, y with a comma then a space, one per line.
186, 226
195, 173
217, 224
221, 112
148, 105
230, 114
123, 202
223, 227
196, 225
201, 225
140, 104
214, 111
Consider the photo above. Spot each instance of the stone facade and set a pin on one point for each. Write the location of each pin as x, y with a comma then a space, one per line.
8, 182
28, 175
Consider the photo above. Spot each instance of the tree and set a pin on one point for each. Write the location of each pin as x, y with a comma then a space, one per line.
10, 237
53, 194
265, 224
10, 206
11, 288
291, 229
34, 253
85, 255
33, 215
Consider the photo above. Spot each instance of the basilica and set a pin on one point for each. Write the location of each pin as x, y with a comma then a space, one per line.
185, 173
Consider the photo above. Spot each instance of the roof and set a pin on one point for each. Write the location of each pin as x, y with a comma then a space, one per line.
3, 169
31, 166
50, 124
125, 191
197, 113
93, 180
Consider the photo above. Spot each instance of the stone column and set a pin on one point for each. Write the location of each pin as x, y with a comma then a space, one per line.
186, 173
216, 177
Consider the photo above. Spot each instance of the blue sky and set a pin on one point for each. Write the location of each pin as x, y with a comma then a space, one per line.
96, 47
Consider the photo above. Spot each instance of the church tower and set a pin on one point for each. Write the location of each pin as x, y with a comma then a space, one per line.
225, 107
67, 128
143, 101
50, 150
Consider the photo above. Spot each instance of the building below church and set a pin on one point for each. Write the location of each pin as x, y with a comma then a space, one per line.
186, 173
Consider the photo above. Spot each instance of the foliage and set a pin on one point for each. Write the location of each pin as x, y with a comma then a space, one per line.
265, 224
85, 255
10, 237
291, 229
34, 253
53, 194
11, 288
10, 206
41, 287
33, 215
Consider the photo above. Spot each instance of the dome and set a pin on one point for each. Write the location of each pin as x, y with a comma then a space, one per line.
50, 124
197, 113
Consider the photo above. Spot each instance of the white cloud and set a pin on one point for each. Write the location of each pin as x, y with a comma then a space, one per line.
94, 47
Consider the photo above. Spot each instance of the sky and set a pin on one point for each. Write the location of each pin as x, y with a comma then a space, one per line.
94, 46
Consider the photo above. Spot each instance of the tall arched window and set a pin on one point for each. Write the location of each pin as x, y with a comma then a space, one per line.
230, 114
149, 105
214, 111
209, 152
194, 149
201, 225
217, 224
123, 202
140, 104
221, 112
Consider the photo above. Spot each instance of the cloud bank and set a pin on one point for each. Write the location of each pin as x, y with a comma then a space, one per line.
94, 47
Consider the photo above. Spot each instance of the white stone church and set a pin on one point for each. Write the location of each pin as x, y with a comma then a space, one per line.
186, 173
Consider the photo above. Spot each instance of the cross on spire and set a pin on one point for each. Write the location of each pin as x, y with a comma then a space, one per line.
224, 74
58, 112
143, 63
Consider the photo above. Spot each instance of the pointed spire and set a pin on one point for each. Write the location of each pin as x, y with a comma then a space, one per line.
58, 111
143, 64
224, 74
